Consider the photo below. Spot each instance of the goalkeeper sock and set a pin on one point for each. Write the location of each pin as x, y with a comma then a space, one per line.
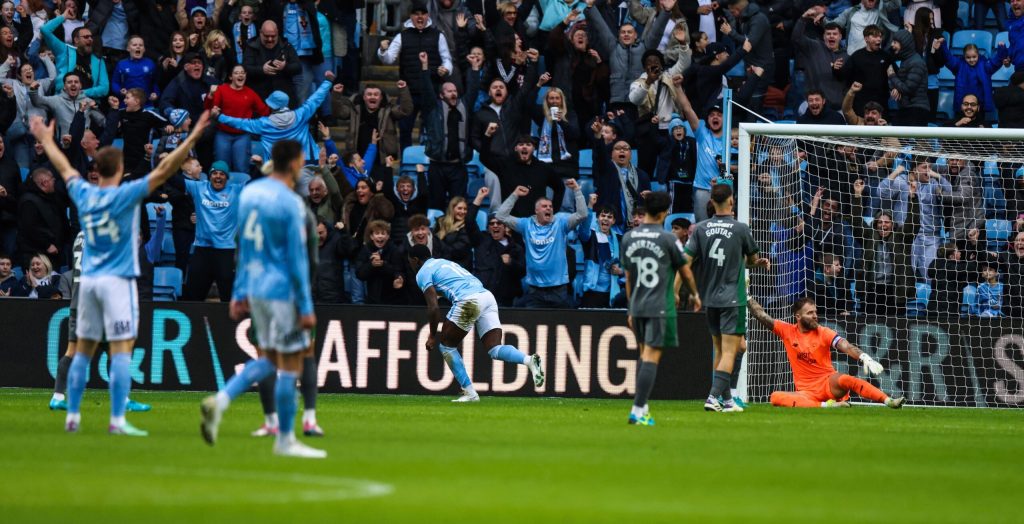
61, 385
644, 384
862, 388
720, 385
454, 361
266, 390
308, 384
509, 354
790, 399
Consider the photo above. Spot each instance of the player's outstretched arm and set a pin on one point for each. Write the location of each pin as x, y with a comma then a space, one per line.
759, 314
870, 364
44, 134
172, 162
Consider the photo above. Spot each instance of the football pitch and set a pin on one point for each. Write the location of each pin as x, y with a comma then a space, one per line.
424, 459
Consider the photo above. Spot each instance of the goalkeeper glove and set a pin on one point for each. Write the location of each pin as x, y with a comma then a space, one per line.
871, 365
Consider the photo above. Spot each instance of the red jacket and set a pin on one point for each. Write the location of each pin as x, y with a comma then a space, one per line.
243, 103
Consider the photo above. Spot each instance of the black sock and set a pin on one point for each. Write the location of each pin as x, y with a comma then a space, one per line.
734, 378
266, 388
720, 385
63, 366
644, 382
307, 383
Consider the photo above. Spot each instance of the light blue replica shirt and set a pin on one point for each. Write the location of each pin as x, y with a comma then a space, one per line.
216, 213
297, 30
110, 220
273, 261
546, 264
449, 279
708, 148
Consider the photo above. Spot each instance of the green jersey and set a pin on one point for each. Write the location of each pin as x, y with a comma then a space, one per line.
720, 246
650, 256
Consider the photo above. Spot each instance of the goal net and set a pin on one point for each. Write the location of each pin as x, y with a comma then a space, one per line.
906, 239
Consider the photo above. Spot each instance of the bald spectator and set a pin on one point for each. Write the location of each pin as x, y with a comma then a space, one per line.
271, 64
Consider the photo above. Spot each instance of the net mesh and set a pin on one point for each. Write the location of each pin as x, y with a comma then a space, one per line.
907, 246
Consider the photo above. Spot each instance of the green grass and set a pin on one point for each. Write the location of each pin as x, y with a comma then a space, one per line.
513, 460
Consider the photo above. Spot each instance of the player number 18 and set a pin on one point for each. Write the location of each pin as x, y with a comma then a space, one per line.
646, 271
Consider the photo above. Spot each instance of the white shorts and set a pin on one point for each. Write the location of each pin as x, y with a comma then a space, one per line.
478, 310
276, 325
107, 305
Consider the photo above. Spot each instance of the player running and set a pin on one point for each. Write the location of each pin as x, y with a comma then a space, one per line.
652, 259
472, 304
108, 302
59, 401
273, 285
721, 245
808, 346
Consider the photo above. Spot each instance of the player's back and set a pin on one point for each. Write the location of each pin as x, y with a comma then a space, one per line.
721, 245
449, 279
650, 255
110, 220
272, 252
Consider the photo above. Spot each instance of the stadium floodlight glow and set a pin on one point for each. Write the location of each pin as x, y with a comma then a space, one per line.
937, 344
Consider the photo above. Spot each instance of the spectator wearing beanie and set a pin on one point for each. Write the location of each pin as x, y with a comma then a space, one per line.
500, 259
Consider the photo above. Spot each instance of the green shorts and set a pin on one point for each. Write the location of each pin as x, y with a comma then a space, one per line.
727, 320
655, 332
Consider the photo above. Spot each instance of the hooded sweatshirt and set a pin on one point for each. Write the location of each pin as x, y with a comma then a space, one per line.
284, 123
911, 80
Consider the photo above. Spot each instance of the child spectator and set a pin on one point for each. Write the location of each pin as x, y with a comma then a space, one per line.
382, 266
973, 75
181, 122
990, 291
136, 71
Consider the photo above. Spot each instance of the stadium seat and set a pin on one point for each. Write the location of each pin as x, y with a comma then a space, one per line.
673, 216
433, 215
167, 255
657, 186
118, 143
475, 168
586, 162
1001, 78
413, 155
166, 283
1003, 37
998, 229
24, 173
982, 39
785, 121
947, 80
239, 178
151, 214
919, 306
945, 109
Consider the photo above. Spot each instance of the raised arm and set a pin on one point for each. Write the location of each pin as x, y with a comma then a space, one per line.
605, 39
172, 162
44, 134
760, 314
581, 212
654, 30
504, 212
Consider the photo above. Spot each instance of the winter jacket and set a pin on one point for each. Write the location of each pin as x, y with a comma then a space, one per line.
380, 280
388, 115
538, 177
328, 283
185, 92
256, 55
67, 59
435, 128
817, 63
356, 216
407, 45
1015, 28
10, 180
856, 18
626, 63
1009, 101
513, 120
63, 109
580, 76
416, 205
42, 221
329, 209
504, 281
966, 202
99, 14
706, 81
975, 80
592, 266
900, 241
753, 25
285, 124
911, 80
25, 106
607, 182
457, 245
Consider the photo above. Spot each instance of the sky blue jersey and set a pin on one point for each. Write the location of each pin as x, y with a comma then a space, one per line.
546, 264
110, 219
449, 279
273, 263
216, 213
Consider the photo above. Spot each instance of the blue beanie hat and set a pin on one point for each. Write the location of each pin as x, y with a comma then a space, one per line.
675, 122
177, 117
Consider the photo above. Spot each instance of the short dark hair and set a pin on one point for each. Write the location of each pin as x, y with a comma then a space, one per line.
800, 303
71, 73
818, 92
417, 221
5, 256
681, 222
872, 30
347, 156
656, 203
652, 52
603, 208
405, 179
873, 106
371, 86
285, 152
74, 33
109, 160
945, 250
720, 193
420, 252
832, 25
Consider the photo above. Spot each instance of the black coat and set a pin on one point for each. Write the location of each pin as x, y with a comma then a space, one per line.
256, 55
42, 222
537, 176
274, 10
10, 180
329, 285
504, 281
99, 13
379, 280
1009, 102
156, 23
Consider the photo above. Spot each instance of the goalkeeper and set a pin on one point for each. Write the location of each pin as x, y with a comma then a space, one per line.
808, 347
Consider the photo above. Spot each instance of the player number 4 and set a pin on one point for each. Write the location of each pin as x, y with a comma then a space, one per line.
253, 231
718, 253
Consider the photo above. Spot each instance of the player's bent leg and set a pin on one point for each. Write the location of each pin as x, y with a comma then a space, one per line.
450, 337
841, 382
506, 353
120, 386
289, 368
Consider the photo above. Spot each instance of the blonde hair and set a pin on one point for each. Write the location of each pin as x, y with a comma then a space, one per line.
547, 107
46, 263
447, 223
216, 33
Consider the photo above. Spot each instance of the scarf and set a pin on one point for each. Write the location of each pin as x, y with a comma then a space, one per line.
453, 117
544, 151
630, 195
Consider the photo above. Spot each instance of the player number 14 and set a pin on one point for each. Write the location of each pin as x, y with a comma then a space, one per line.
253, 230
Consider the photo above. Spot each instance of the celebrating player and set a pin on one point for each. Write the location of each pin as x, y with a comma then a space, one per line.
721, 244
472, 304
108, 297
273, 285
808, 346
651, 259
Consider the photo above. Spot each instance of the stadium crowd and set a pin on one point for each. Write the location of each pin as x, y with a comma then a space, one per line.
541, 126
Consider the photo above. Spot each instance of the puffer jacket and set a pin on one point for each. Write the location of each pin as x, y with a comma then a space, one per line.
389, 114
911, 80
285, 124
754, 25
626, 63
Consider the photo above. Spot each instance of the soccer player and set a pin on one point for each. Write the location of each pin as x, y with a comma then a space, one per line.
652, 259
273, 286
108, 301
720, 245
472, 305
59, 401
808, 346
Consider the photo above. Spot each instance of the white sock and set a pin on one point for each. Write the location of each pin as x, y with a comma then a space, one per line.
73, 417
528, 361
58, 396
469, 391
223, 400
285, 437
270, 420
309, 416
646, 409
636, 411
735, 393
824, 404
117, 421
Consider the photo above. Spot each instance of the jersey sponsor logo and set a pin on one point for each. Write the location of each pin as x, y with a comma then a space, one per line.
805, 357
542, 241
216, 203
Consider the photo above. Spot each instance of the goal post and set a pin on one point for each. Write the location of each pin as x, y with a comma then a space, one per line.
905, 238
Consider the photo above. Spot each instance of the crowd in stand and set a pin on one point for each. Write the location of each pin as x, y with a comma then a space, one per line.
575, 110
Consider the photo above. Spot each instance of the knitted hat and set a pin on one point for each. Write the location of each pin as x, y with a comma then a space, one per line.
675, 122
177, 117
198, 10
277, 100
221, 166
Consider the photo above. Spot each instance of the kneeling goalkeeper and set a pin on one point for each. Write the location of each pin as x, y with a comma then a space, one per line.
808, 347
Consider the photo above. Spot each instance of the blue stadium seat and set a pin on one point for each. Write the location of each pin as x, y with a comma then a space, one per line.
657, 186
945, 109
946, 78
969, 306
673, 216
413, 155
586, 162
919, 306
738, 71
166, 283
433, 215
1003, 37
151, 214
982, 39
167, 250
474, 168
238, 177
998, 229
1001, 78
785, 121
118, 143
24, 173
